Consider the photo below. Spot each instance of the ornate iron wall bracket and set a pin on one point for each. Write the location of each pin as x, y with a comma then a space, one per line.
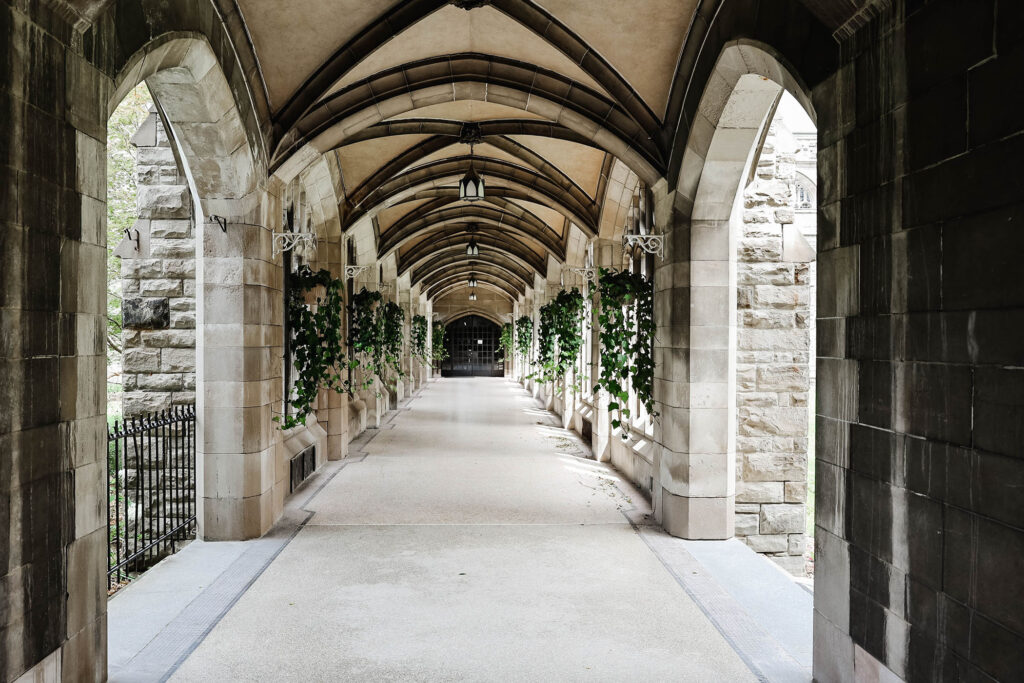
588, 274
354, 271
286, 241
652, 244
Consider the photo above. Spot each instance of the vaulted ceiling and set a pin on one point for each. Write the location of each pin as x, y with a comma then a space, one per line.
570, 104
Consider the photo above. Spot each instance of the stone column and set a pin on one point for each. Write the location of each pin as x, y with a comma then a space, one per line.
239, 358
695, 476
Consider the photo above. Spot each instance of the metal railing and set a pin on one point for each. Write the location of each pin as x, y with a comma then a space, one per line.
151, 472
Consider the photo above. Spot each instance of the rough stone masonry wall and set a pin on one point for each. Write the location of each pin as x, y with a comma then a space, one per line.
158, 282
773, 364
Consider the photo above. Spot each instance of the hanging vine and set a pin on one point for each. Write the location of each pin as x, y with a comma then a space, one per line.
317, 348
561, 335
365, 333
438, 349
418, 335
506, 341
627, 341
524, 339
392, 319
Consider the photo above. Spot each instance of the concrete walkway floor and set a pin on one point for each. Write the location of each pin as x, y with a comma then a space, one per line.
470, 542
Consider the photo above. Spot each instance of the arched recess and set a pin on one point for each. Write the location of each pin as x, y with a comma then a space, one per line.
225, 172
697, 469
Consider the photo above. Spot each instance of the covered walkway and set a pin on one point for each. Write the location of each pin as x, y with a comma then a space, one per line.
467, 540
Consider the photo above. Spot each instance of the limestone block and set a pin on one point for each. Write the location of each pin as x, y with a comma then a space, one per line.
188, 381
746, 525
173, 228
140, 360
774, 467
761, 249
754, 444
782, 518
796, 492
755, 215
783, 378
169, 338
179, 268
759, 492
178, 360
766, 296
147, 174
768, 320
164, 201
765, 274
797, 544
758, 399
748, 508
773, 340
184, 398
183, 304
746, 379
160, 382
156, 156
141, 267
761, 543
149, 313
140, 403
183, 321
160, 287
173, 249
129, 382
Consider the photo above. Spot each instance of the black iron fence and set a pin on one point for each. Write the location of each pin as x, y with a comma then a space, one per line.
151, 470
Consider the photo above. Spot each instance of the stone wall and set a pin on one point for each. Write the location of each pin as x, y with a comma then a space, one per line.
775, 325
158, 282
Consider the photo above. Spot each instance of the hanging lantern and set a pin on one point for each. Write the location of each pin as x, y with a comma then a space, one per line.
472, 280
472, 296
471, 187
472, 249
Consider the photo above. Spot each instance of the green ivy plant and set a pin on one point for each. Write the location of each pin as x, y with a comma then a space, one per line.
392, 320
418, 335
438, 349
560, 337
506, 341
524, 338
627, 326
365, 334
317, 347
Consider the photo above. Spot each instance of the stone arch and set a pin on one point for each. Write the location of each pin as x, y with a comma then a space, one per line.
697, 467
224, 164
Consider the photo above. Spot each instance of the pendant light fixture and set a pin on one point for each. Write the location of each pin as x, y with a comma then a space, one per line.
472, 296
472, 249
472, 280
471, 186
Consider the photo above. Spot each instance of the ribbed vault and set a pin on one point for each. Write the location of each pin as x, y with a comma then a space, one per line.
563, 118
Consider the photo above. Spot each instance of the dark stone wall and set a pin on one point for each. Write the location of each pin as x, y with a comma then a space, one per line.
39, 327
59, 77
921, 401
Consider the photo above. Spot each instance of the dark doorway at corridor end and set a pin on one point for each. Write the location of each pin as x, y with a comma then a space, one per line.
473, 349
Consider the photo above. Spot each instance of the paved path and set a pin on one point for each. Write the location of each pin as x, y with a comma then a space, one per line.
472, 544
